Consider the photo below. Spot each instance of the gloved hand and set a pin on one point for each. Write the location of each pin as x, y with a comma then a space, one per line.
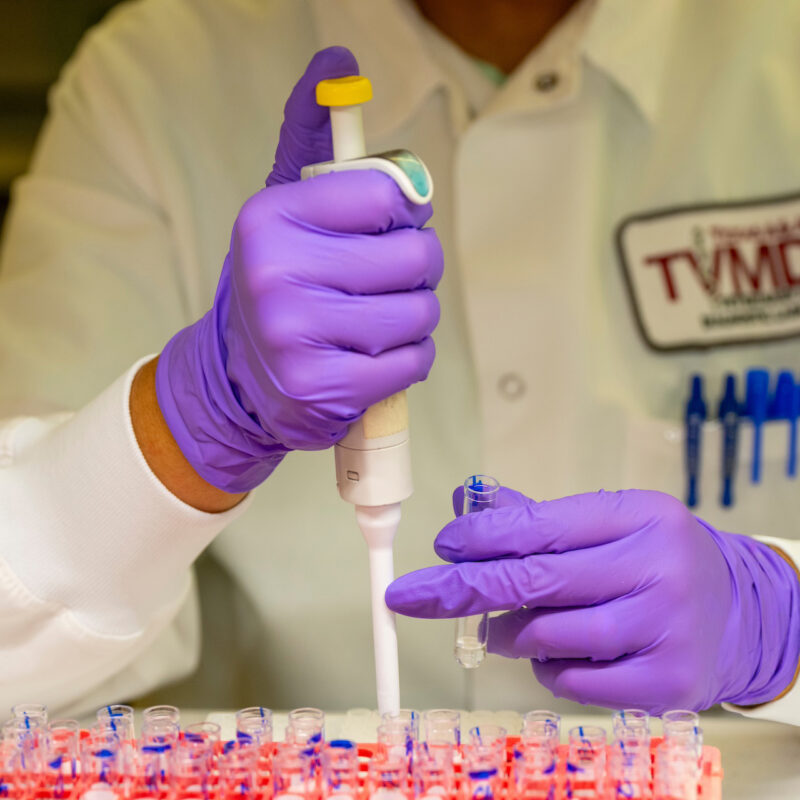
325, 306
619, 599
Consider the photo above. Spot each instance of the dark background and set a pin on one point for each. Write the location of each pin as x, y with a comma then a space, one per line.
36, 38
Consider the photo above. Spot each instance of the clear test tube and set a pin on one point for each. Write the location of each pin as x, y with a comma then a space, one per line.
21, 740
387, 779
32, 711
629, 767
340, 770
586, 761
200, 740
159, 737
533, 771
406, 715
493, 737
205, 733
433, 770
62, 755
306, 725
631, 719
682, 723
292, 777
190, 769
536, 755
170, 713
18, 749
480, 494
238, 766
442, 726
100, 758
120, 718
395, 740
481, 772
683, 727
254, 724
541, 723
675, 775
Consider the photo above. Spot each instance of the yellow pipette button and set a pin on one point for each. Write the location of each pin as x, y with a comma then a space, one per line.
349, 91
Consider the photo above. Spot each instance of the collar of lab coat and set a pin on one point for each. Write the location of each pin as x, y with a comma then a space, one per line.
629, 40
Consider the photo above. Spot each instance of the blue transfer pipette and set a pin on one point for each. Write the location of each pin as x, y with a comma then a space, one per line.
756, 404
695, 416
784, 406
791, 462
729, 419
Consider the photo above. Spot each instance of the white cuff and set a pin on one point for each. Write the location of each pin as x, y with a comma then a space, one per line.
91, 529
787, 708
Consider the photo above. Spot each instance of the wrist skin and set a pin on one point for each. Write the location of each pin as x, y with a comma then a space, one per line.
162, 453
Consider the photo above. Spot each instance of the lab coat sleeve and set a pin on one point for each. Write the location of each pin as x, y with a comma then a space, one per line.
787, 707
97, 601
96, 594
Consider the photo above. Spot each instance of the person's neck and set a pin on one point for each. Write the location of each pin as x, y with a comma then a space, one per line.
501, 32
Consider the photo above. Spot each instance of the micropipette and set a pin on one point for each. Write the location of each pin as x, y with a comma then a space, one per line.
373, 460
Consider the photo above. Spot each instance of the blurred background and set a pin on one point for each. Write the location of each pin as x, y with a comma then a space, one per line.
36, 38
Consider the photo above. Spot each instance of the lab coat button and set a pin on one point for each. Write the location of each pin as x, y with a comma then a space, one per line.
546, 81
511, 386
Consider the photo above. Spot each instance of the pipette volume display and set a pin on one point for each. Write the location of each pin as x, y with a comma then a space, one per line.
480, 494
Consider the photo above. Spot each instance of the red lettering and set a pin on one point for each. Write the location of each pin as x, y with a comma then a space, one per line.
791, 278
664, 261
764, 268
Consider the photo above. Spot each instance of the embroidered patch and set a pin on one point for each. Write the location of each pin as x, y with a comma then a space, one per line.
716, 274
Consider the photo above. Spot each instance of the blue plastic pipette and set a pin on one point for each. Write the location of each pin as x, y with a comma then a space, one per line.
695, 416
729, 419
791, 462
756, 404
786, 405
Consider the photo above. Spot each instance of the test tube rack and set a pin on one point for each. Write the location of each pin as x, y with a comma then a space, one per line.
131, 783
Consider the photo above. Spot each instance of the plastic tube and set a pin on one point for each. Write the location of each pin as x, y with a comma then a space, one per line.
340, 770
586, 761
292, 773
170, 713
442, 726
120, 719
254, 724
480, 494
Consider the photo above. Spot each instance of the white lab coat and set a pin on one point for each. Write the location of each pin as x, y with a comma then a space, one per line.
166, 120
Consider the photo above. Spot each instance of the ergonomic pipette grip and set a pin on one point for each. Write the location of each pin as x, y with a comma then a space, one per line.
373, 460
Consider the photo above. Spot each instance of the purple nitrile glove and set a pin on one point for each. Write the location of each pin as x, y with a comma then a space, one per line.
325, 306
619, 599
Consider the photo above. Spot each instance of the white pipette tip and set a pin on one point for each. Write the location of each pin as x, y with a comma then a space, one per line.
379, 524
